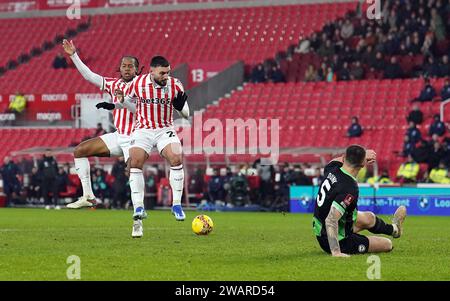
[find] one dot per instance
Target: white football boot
(399, 218)
(83, 201)
(138, 229)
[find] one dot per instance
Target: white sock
(137, 186)
(83, 169)
(395, 229)
(176, 178)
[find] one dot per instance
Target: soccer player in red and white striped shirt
(155, 96)
(111, 144)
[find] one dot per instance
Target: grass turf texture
(35, 244)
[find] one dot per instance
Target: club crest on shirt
(349, 199)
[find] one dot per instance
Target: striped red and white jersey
(123, 119)
(154, 109)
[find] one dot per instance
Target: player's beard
(159, 82)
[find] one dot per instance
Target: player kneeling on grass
(337, 221)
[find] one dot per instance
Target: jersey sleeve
(178, 86)
(108, 85)
(331, 166)
(343, 201)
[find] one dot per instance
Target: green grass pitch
(35, 244)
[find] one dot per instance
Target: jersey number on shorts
(171, 134)
(324, 189)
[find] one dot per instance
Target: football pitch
(35, 245)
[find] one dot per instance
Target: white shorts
(118, 144)
(149, 138)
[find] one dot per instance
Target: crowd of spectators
(428, 147)
(410, 40)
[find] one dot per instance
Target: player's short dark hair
(159, 61)
(355, 155)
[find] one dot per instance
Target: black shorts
(353, 244)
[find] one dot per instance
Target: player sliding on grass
(156, 94)
(337, 221)
(112, 144)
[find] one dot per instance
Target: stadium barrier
(217, 86)
(425, 199)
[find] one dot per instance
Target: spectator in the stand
(266, 174)
(408, 147)
(18, 104)
(408, 171)
(25, 166)
(378, 62)
(439, 174)
(99, 130)
(437, 25)
(444, 67)
(381, 179)
(415, 115)
(355, 129)
(326, 49)
(421, 154)
(330, 75)
(347, 29)
(310, 74)
(60, 62)
(216, 190)
(393, 69)
(413, 133)
(11, 183)
(445, 92)
(436, 155)
(258, 74)
(48, 168)
(437, 127)
(300, 178)
(239, 190)
(415, 46)
(276, 76)
(357, 71)
(318, 177)
(431, 68)
(119, 188)
(99, 185)
(344, 72)
(322, 72)
(34, 186)
(61, 182)
(428, 92)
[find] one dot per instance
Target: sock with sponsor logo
(176, 179)
(381, 227)
(137, 186)
(83, 169)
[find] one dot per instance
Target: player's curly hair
(136, 63)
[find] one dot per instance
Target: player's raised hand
(371, 156)
(120, 95)
(179, 101)
(69, 48)
(105, 105)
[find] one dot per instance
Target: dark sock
(381, 227)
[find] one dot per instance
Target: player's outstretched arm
(88, 75)
(331, 224)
